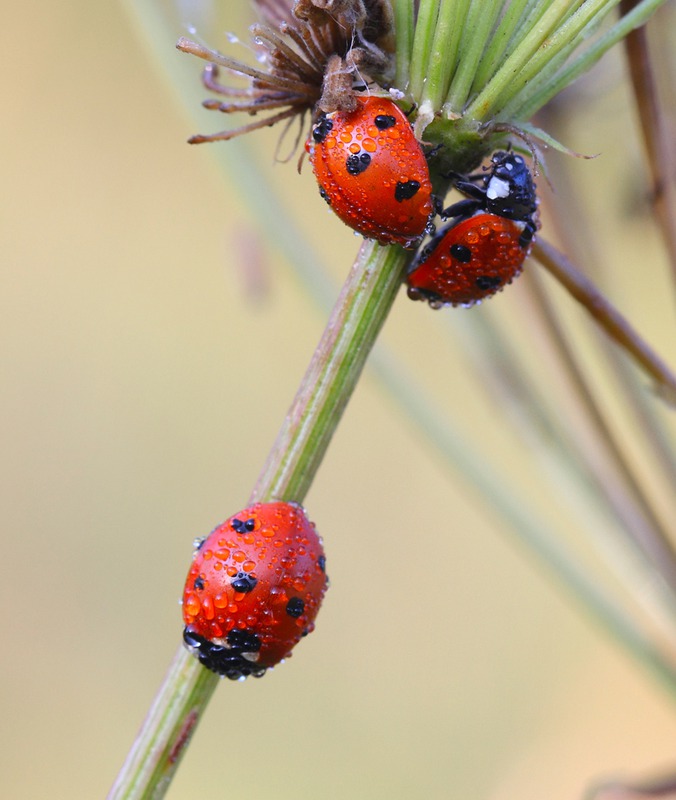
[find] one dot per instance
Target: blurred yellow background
(143, 383)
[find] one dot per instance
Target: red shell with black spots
(469, 261)
(372, 171)
(254, 589)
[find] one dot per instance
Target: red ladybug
(468, 261)
(372, 171)
(485, 246)
(253, 590)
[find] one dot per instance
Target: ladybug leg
(477, 176)
(438, 204)
(463, 208)
(467, 188)
(433, 150)
(528, 234)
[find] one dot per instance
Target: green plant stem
(619, 479)
(159, 745)
(539, 94)
(542, 42)
(475, 33)
(361, 309)
(655, 132)
(614, 324)
(498, 47)
(422, 45)
(498, 496)
(444, 52)
(403, 26)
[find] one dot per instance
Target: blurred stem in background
(636, 603)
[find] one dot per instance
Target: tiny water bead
(254, 589)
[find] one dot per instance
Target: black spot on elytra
(461, 253)
(322, 563)
(199, 583)
(244, 640)
(406, 190)
(242, 582)
(356, 164)
(487, 282)
(324, 195)
(243, 526)
(322, 129)
(385, 121)
(226, 660)
(295, 607)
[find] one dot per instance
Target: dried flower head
(315, 54)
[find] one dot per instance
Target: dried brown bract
(315, 55)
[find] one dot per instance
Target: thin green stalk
(166, 731)
(578, 456)
(551, 67)
(536, 97)
(403, 26)
(357, 317)
(568, 37)
(655, 131)
(513, 110)
(422, 45)
(498, 495)
(609, 318)
(541, 37)
(475, 33)
(534, 14)
(646, 530)
(571, 211)
(359, 313)
(497, 48)
(444, 54)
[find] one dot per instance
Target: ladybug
(485, 246)
(372, 171)
(253, 590)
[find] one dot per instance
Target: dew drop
(208, 608)
(192, 605)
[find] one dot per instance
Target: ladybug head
(510, 191)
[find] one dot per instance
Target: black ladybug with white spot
(506, 189)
